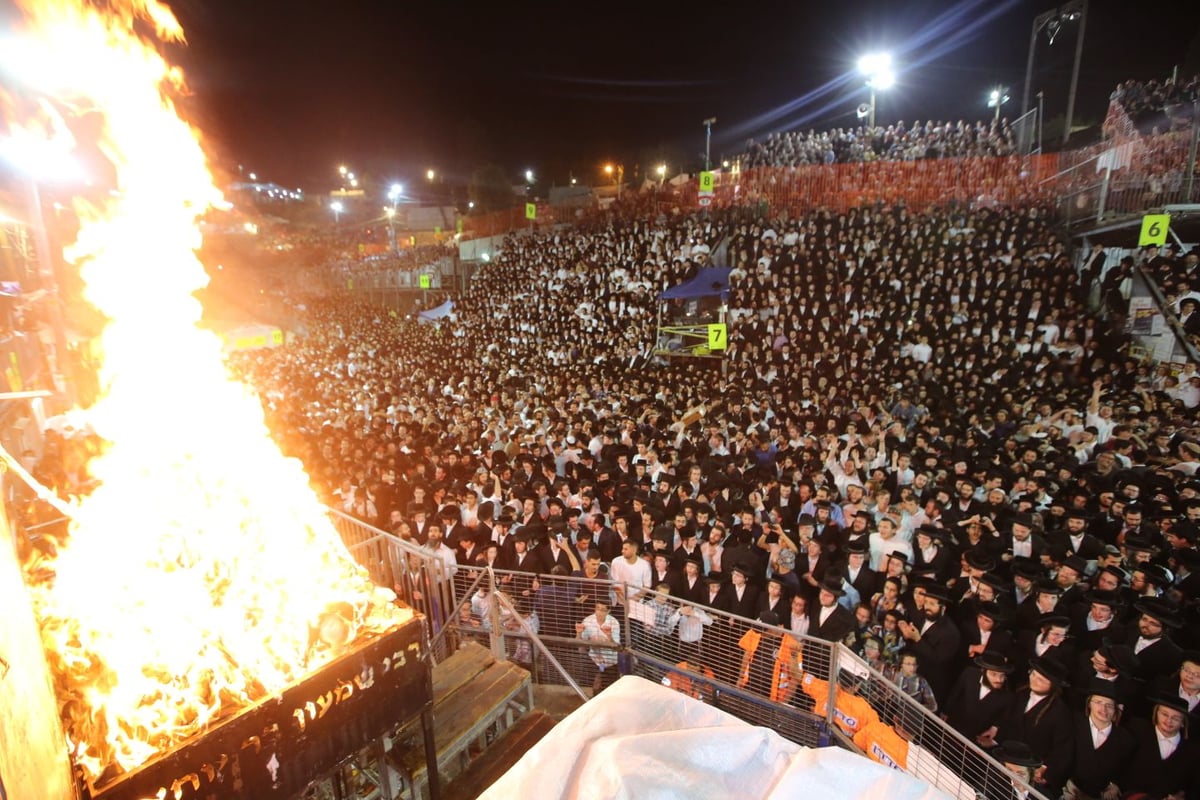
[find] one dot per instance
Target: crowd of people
(1156, 100)
(915, 412)
(919, 443)
(896, 142)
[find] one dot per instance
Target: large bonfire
(202, 573)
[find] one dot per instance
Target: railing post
(831, 703)
(497, 636)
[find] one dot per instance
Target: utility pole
(708, 123)
(1082, 12)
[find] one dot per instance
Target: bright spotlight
(529, 176)
(336, 206)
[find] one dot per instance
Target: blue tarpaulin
(709, 282)
(434, 314)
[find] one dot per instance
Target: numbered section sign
(531, 211)
(717, 336)
(707, 181)
(1154, 229)
(424, 281)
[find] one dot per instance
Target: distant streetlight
(877, 68)
(661, 169)
(337, 208)
(470, 204)
(253, 176)
(617, 173)
(996, 98)
(394, 193)
(529, 176)
(350, 177)
(430, 175)
(574, 181)
(342, 170)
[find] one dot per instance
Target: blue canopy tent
(435, 314)
(708, 282)
(686, 332)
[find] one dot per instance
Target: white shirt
(1143, 643)
(1034, 699)
(800, 625)
(1099, 735)
(1166, 746)
(636, 575)
(826, 611)
(1023, 548)
(1191, 699)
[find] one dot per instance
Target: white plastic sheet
(643, 741)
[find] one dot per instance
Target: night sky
(292, 89)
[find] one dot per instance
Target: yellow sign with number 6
(1154, 229)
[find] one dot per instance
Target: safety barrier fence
(809, 690)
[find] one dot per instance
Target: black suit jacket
(839, 625)
(937, 650)
(1049, 731)
(1161, 658)
(970, 715)
(1091, 769)
(1148, 772)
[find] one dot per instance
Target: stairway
(499, 756)
(478, 702)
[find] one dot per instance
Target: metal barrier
(420, 579)
(810, 691)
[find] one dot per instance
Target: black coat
(1161, 658)
(1049, 731)
(937, 650)
(839, 625)
(1091, 769)
(1148, 772)
(970, 715)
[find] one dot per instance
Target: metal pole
(1075, 71)
(871, 121)
(1037, 24)
(1041, 117)
(1191, 170)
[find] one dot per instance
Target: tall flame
(199, 572)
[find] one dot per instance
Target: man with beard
(980, 700)
(1039, 717)
(936, 641)
(1157, 654)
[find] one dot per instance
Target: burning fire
(202, 573)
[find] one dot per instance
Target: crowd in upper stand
(896, 142)
(1148, 98)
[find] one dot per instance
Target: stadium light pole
(877, 67)
(1052, 21)
(708, 123)
(337, 208)
(394, 195)
(996, 98)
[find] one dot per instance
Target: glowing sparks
(202, 573)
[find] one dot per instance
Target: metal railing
(810, 691)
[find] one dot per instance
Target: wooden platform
(475, 699)
(499, 756)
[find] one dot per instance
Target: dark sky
(292, 89)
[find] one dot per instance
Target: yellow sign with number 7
(717, 336)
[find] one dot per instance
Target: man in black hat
(829, 619)
(1050, 641)
(1103, 749)
(1184, 684)
(738, 597)
(1115, 665)
(1040, 718)
(858, 574)
(1020, 541)
(936, 641)
(1074, 539)
(1042, 601)
(1165, 762)
(1157, 653)
(986, 631)
(981, 700)
(1095, 619)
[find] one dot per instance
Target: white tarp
(639, 740)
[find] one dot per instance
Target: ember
(202, 574)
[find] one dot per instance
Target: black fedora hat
(994, 661)
(1049, 669)
(1016, 753)
(832, 585)
(1160, 611)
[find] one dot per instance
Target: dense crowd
(1155, 99)
(897, 142)
(919, 444)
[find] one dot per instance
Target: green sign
(1154, 229)
(717, 336)
(424, 281)
(531, 211)
(707, 181)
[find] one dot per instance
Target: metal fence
(808, 690)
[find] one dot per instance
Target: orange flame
(200, 574)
